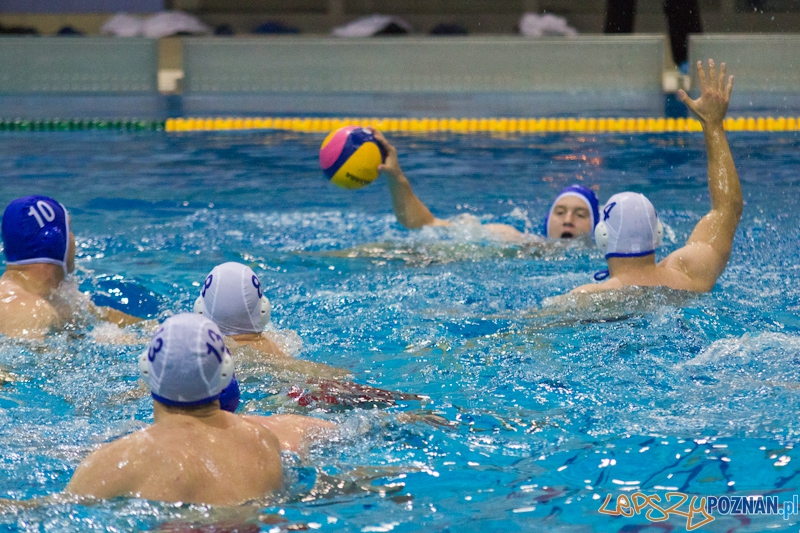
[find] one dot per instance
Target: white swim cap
(232, 299)
(186, 362)
(629, 226)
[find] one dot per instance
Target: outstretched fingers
(701, 75)
(712, 73)
(715, 91)
(729, 88)
(688, 102)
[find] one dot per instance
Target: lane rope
(425, 125)
(473, 125)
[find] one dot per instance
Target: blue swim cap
(36, 230)
(584, 193)
(229, 397)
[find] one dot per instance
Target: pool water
(531, 410)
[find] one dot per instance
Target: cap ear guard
(225, 370)
(659, 234)
(601, 236)
(266, 309)
(144, 368)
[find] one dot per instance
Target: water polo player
(194, 452)
(630, 231)
(40, 253)
(232, 298)
(573, 213)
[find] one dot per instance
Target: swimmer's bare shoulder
(610, 284)
(295, 432)
(260, 342)
(24, 314)
(223, 459)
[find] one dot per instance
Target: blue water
(544, 408)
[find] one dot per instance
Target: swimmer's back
(220, 459)
(23, 314)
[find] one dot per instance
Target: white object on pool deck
(123, 25)
(533, 25)
(169, 23)
(156, 26)
(371, 25)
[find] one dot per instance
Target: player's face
(570, 218)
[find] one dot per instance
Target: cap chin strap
(225, 375)
(659, 233)
(265, 311)
(69, 241)
(601, 235)
(36, 260)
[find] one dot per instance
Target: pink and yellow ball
(350, 156)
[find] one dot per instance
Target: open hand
(715, 94)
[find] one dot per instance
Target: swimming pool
(551, 407)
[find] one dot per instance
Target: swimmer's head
(186, 362)
(36, 230)
(231, 297)
(574, 212)
(629, 226)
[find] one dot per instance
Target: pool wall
(424, 77)
(51, 77)
(765, 68)
(583, 76)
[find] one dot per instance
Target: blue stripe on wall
(81, 6)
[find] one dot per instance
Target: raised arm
(115, 316)
(706, 253)
(409, 210)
